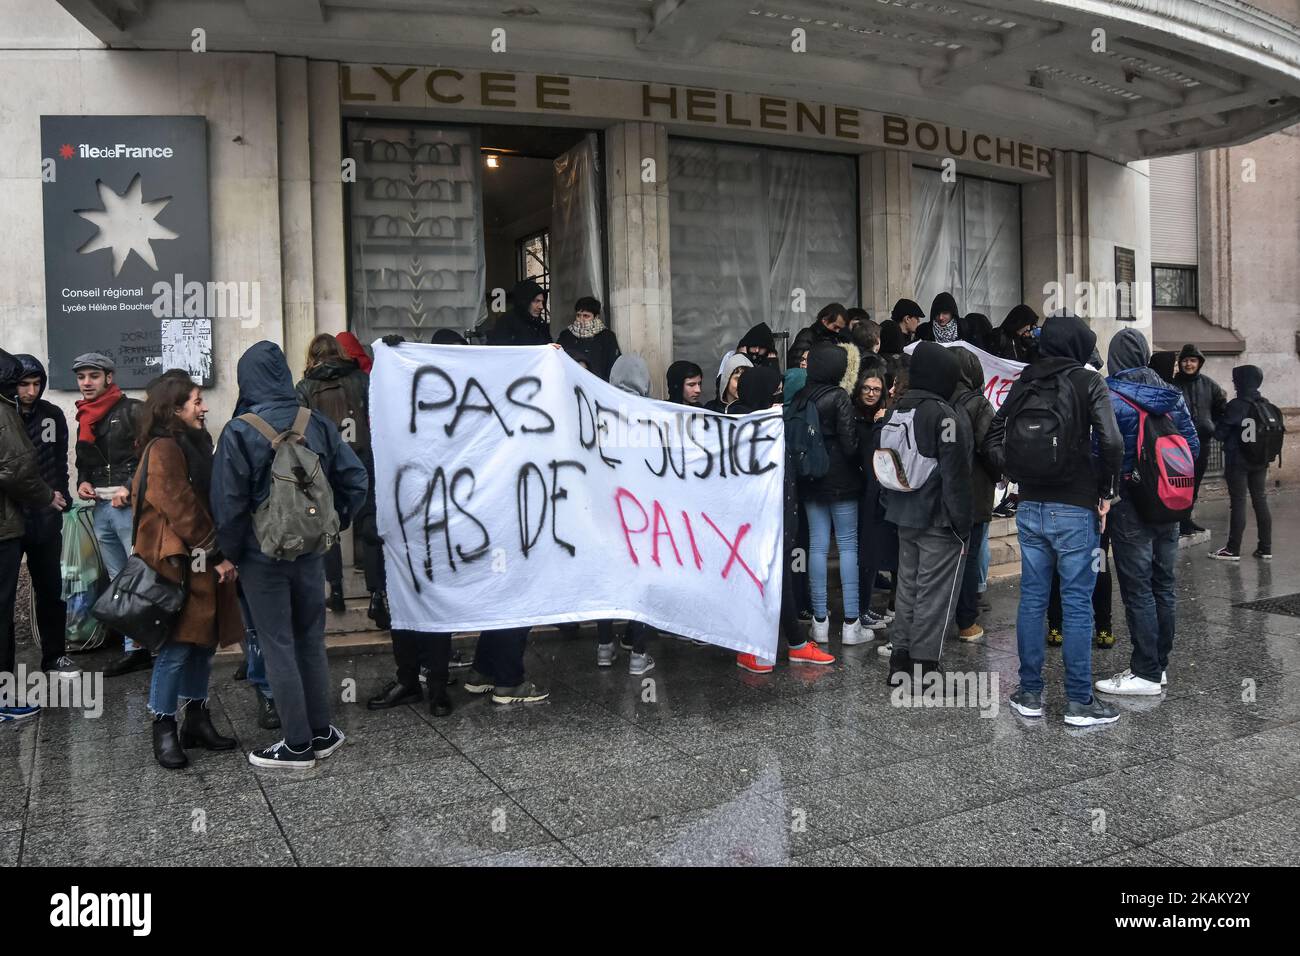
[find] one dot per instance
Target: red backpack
(1163, 482)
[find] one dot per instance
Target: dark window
(1174, 287)
(535, 261)
(1125, 274)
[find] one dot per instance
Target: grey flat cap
(94, 360)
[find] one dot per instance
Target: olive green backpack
(298, 516)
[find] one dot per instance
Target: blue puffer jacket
(241, 471)
(1127, 360)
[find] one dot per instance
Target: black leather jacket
(111, 459)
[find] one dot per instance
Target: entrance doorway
(445, 220)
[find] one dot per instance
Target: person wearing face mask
(588, 340)
(760, 390)
(946, 323)
(728, 383)
(175, 535)
(685, 383)
(758, 345)
(827, 329)
(526, 322)
(1014, 338)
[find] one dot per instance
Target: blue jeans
(844, 516)
(179, 670)
(1145, 556)
(253, 651)
(984, 561)
(968, 610)
(1057, 539)
(113, 532)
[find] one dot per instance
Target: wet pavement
(702, 763)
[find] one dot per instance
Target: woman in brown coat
(176, 537)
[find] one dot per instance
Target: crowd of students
(893, 453)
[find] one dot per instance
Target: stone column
(640, 290)
(885, 229)
(329, 248)
(296, 263)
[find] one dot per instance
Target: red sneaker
(810, 653)
(748, 662)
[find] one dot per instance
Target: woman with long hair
(176, 537)
(875, 540)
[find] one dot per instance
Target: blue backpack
(803, 433)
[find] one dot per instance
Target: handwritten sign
(515, 488)
(999, 373)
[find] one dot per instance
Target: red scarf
(91, 410)
(353, 349)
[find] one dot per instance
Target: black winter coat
(111, 459)
(826, 367)
(1206, 400)
(599, 352)
(41, 420)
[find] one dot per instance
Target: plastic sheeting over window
(966, 240)
(756, 232)
(418, 261)
(575, 254)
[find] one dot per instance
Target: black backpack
(803, 433)
(1042, 431)
(1269, 431)
(340, 403)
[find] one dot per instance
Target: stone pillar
(329, 247)
(640, 290)
(885, 229)
(296, 265)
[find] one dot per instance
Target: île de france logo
(125, 222)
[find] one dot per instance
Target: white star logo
(126, 224)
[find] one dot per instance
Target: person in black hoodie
(685, 383)
(933, 519)
(1206, 401)
(977, 330)
(758, 345)
(946, 323)
(1014, 338)
(899, 330)
(827, 329)
(1059, 518)
(1241, 475)
(985, 474)
(525, 323)
(1164, 364)
(43, 527)
(832, 499)
(588, 340)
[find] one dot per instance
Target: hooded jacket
(758, 389)
(1246, 381)
(943, 302)
(356, 387)
(892, 337)
(733, 361)
(1066, 343)
(677, 375)
(1006, 341)
(827, 365)
(1205, 399)
(978, 330)
(42, 418)
(760, 337)
(969, 396)
(241, 471)
(815, 335)
(631, 374)
(1131, 378)
(20, 476)
(518, 327)
(942, 433)
(1164, 364)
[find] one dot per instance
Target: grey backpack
(298, 515)
(898, 462)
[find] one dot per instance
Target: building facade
(699, 167)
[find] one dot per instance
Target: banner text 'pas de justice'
(513, 488)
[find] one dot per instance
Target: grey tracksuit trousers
(930, 566)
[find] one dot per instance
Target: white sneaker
(885, 649)
(1128, 684)
(821, 630)
(1164, 678)
(853, 634)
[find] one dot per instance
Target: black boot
(439, 701)
(900, 662)
(335, 602)
(166, 748)
(395, 694)
(378, 611)
(241, 672)
(140, 660)
(197, 729)
(268, 718)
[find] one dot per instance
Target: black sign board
(127, 245)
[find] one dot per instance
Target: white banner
(999, 373)
(515, 488)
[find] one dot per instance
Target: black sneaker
(1090, 714)
(332, 741)
(268, 718)
(335, 602)
(1223, 554)
(476, 683)
(525, 693)
(140, 660)
(278, 756)
(1263, 555)
(394, 694)
(1027, 704)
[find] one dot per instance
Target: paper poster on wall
(513, 487)
(127, 245)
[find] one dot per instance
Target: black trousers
(1101, 593)
(500, 655)
(43, 544)
(11, 556)
(1253, 481)
(411, 649)
(637, 633)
